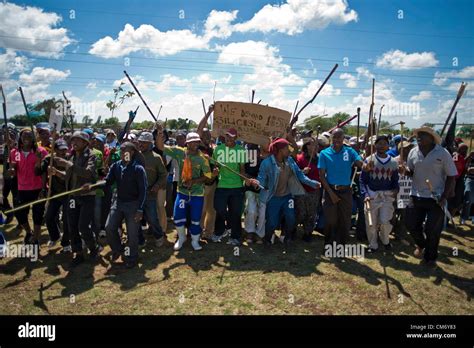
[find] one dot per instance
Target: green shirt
(200, 166)
(156, 172)
(99, 164)
(232, 157)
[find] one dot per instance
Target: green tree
(87, 121)
(147, 124)
(112, 105)
(112, 122)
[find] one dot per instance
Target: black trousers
(10, 185)
(38, 209)
(428, 237)
(81, 214)
(228, 203)
(337, 217)
(53, 223)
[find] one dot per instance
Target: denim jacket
(270, 172)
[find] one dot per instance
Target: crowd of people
(127, 186)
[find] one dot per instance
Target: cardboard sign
(403, 196)
(55, 117)
(254, 123)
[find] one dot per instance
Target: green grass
(279, 280)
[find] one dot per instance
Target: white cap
(192, 137)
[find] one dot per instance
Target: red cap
(232, 132)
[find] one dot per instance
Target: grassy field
(295, 279)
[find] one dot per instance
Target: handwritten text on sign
(403, 197)
(254, 123)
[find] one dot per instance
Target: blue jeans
(278, 207)
(185, 204)
(118, 212)
(468, 198)
(151, 216)
(228, 203)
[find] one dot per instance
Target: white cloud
(43, 75)
(256, 53)
(350, 80)
(441, 77)
(218, 24)
(295, 16)
(399, 60)
(31, 29)
(308, 92)
(423, 95)
(91, 85)
(269, 72)
(208, 79)
(11, 63)
(148, 39)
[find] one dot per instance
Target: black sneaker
(370, 250)
(77, 260)
(388, 246)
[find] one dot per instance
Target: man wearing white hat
(195, 171)
(433, 172)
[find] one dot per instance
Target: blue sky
(282, 49)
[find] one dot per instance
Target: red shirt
(460, 163)
(313, 174)
(25, 169)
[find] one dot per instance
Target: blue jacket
(270, 172)
(131, 182)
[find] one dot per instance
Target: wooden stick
(458, 97)
(369, 215)
(380, 118)
(316, 143)
(372, 118)
(159, 112)
(143, 100)
(6, 134)
(62, 194)
(232, 171)
(50, 179)
(317, 92)
(27, 114)
(358, 127)
(204, 106)
(401, 142)
(253, 95)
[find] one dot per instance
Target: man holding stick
(379, 186)
(80, 170)
(58, 185)
(282, 178)
(428, 161)
(208, 218)
(130, 177)
(335, 167)
(194, 172)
